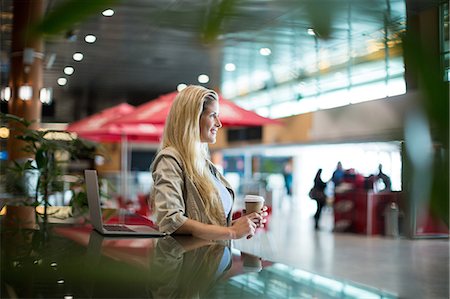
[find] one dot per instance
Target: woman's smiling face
(210, 123)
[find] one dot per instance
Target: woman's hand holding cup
(255, 204)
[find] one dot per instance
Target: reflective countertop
(74, 261)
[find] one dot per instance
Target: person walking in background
(384, 178)
(287, 174)
(190, 196)
(318, 194)
(338, 175)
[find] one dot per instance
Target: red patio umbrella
(156, 111)
(131, 132)
(97, 128)
(96, 121)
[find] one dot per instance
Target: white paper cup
(253, 203)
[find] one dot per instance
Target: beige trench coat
(175, 196)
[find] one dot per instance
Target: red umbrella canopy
(96, 121)
(132, 132)
(97, 128)
(156, 111)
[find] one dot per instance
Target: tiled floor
(407, 268)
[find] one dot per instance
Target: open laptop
(95, 211)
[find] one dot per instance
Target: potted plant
(49, 154)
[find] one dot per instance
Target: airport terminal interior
(352, 94)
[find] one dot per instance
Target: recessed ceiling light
(311, 31)
(90, 38)
(78, 56)
(68, 70)
(203, 78)
(108, 12)
(265, 51)
(181, 86)
(230, 67)
(62, 81)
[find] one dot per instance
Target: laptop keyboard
(117, 228)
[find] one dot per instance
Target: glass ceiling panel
(362, 34)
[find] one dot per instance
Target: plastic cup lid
(253, 198)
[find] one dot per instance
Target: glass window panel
(282, 94)
(308, 88)
(307, 105)
(396, 86)
(368, 72)
(372, 91)
(334, 99)
(283, 109)
(396, 66)
(263, 111)
(334, 81)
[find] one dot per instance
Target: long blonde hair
(182, 132)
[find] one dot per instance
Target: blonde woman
(189, 194)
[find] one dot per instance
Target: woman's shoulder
(169, 151)
(167, 154)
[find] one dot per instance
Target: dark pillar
(26, 68)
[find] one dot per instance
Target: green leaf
(41, 159)
(28, 165)
(69, 13)
(4, 117)
(214, 21)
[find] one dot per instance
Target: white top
(225, 196)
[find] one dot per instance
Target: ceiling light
(203, 78)
(181, 86)
(45, 95)
(78, 56)
(90, 38)
(108, 13)
(6, 94)
(230, 67)
(62, 81)
(311, 31)
(68, 70)
(25, 92)
(265, 51)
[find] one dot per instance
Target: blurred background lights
(78, 56)
(203, 78)
(108, 12)
(4, 132)
(230, 67)
(25, 92)
(90, 38)
(45, 95)
(62, 81)
(265, 51)
(68, 70)
(181, 86)
(6, 93)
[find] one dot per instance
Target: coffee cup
(253, 203)
(251, 263)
